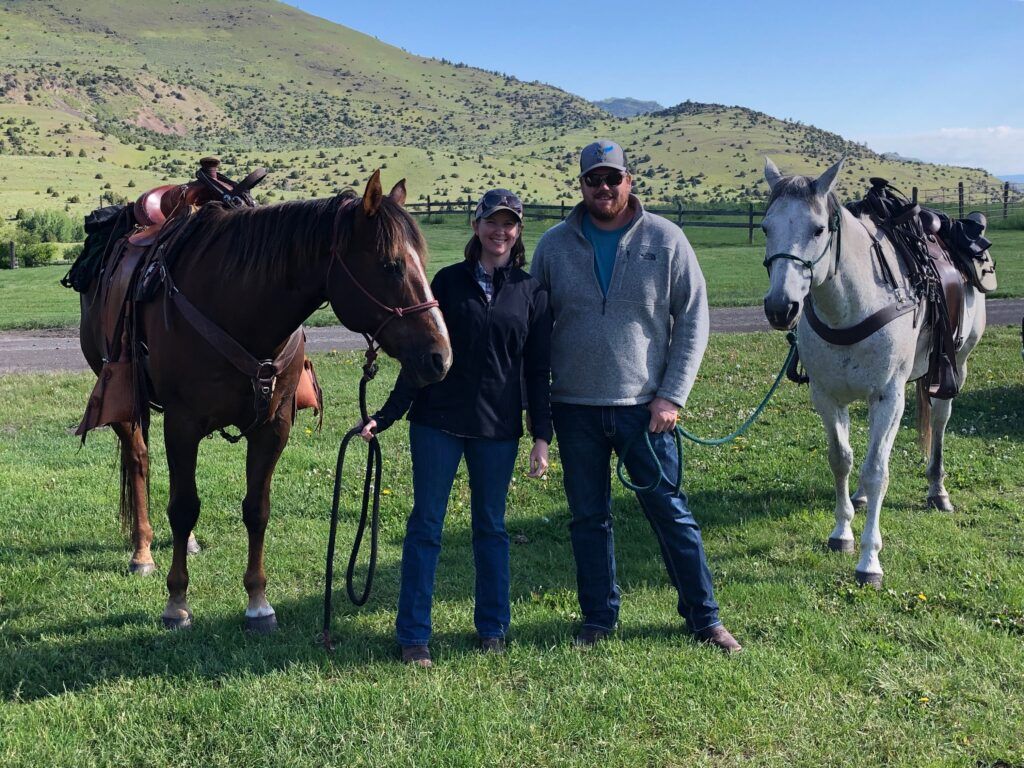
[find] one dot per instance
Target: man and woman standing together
(607, 332)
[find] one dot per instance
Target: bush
(52, 226)
(38, 254)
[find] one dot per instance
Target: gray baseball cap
(603, 153)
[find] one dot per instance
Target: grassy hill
(111, 98)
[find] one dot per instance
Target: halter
(835, 233)
(372, 345)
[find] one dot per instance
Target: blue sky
(941, 80)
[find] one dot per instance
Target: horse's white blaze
(845, 290)
(434, 313)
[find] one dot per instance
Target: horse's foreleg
(836, 419)
(135, 496)
(884, 413)
(182, 443)
(265, 446)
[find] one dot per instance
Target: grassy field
(33, 298)
(928, 670)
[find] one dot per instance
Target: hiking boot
(492, 645)
(417, 655)
(720, 638)
(590, 636)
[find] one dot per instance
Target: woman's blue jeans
(587, 435)
(435, 460)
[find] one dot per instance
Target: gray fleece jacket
(645, 338)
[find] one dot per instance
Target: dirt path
(55, 350)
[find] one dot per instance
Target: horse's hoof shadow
(844, 546)
(175, 623)
(941, 503)
(261, 625)
(141, 569)
(873, 580)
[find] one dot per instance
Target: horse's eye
(819, 231)
(393, 267)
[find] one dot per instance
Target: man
(630, 329)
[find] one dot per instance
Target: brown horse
(258, 273)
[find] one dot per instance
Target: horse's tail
(134, 465)
(924, 417)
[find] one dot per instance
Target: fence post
(913, 195)
(562, 211)
(679, 212)
(960, 198)
(750, 223)
(14, 257)
(469, 210)
(428, 209)
(1006, 198)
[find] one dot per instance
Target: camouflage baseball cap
(603, 153)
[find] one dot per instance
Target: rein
(371, 479)
(679, 432)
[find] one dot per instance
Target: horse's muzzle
(782, 316)
(431, 366)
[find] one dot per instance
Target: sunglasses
(612, 179)
(496, 199)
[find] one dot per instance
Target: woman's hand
(366, 431)
(538, 458)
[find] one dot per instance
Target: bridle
(372, 344)
(835, 233)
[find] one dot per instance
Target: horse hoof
(868, 579)
(193, 547)
(841, 545)
(175, 623)
(141, 569)
(941, 503)
(261, 625)
(859, 503)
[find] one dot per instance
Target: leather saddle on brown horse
(133, 266)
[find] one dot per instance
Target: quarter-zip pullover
(496, 346)
(646, 336)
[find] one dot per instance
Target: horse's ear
(824, 183)
(373, 194)
(772, 174)
(398, 192)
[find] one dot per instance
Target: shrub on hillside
(38, 254)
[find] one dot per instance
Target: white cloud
(999, 149)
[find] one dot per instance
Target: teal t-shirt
(606, 245)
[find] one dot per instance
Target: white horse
(815, 246)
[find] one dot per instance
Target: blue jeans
(435, 460)
(586, 437)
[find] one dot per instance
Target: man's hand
(538, 458)
(663, 415)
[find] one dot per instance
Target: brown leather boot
(417, 655)
(719, 637)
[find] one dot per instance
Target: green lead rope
(679, 432)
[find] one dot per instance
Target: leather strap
(844, 337)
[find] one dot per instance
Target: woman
(500, 327)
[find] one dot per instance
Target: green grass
(33, 298)
(927, 671)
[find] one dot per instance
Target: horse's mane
(275, 241)
(802, 188)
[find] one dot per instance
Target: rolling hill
(108, 98)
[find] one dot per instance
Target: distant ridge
(627, 107)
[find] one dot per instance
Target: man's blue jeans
(587, 435)
(435, 460)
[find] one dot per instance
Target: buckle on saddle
(265, 380)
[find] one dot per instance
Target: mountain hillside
(627, 107)
(105, 99)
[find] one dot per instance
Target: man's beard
(608, 214)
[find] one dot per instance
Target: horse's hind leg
(182, 443)
(884, 412)
(264, 449)
(135, 496)
(938, 498)
(836, 419)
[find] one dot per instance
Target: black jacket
(496, 347)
